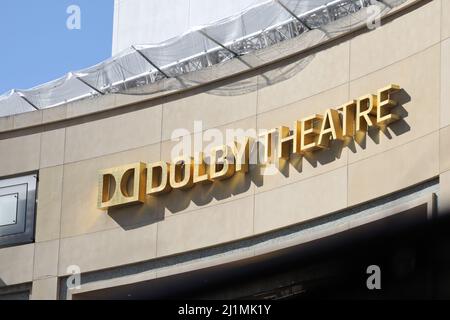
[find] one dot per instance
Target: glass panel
(243, 33)
(318, 13)
(8, 209)
(57, 92)
(300, 7)
(190, 52)
(12, 103)
(128, 69)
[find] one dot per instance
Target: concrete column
(45, 289)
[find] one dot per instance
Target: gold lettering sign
(122, 185)
(132, 183)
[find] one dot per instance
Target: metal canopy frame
(291, 28)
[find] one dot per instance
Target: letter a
(74, 20)
(374, 281)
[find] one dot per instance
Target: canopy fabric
(192, 58)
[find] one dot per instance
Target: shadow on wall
(265, 79)
(157, 208)
(398, 128)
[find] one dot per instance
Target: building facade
(205, 239)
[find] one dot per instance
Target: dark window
(17, 210)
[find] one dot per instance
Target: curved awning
(141, 67)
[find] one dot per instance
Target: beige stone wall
(411, 49)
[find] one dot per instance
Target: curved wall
(411, 49)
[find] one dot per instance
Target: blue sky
(36, 46)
